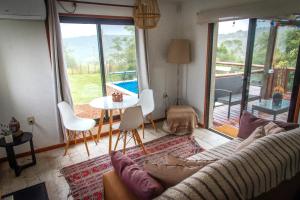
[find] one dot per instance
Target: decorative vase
(8, 138)
(277, 99)
(14, 125)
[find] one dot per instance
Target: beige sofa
(267, 169)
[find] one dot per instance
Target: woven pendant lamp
(146, 14)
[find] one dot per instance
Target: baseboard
(56, 146)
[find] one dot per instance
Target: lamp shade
(179, 51)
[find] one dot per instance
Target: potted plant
(7, 134)
(278, 95)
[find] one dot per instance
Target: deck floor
(220, 115)
(220, 112)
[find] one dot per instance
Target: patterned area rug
(85, 178)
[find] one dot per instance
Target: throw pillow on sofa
(249, 122)
(175, 160)
(135, 178)
(170, 175)
(269, 129)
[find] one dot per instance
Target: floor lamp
(179, 52)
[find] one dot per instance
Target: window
(100, 56)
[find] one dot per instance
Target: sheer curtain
(62, 88)
(142, 62)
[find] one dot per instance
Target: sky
(230, 27)
(69, 30)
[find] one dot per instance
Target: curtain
(62, 88)
(142, 62)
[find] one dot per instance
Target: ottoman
(181, 119)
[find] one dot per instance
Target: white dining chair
(146, 100)
(131, 120)
(75, 125)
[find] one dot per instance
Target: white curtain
(142, 62)
(63, 92)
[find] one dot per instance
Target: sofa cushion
(249, 122)
(270, 128)
(170, 175)
(175, 160)
(135, 178)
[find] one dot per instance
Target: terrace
(231, 71)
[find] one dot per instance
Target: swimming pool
(131, 86)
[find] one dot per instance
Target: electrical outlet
(30, 120)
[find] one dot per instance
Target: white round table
(106, 103)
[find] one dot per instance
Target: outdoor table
(106, 104)
(267, 106)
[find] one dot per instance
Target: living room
(113, 64)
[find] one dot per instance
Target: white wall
(197, 34)
(163, 76)
(26, 81)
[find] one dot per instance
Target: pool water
(131, 86)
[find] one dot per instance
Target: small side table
(11, 156)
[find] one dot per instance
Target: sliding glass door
(254, 70)
(229, 74)
(273, 70)
(100, 56)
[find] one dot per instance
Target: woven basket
(146, 14)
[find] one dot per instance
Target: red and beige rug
(85, 178)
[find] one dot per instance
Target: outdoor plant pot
(8, 138)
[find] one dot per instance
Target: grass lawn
(85, 87)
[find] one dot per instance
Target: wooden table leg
(110, 129)
(100, 124)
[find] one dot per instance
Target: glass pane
(279, 74)
(229, 73)
(119, 50)
(259, 68)
(80, 47)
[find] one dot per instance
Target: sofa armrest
(114, 188)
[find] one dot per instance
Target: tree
(230, 51)
(123, 57)
(70, 60)
(287, 57)
(260, 48)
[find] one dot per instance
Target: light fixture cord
(66, 10)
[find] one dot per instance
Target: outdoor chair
(229, 92)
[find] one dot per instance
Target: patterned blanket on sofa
(254, 170)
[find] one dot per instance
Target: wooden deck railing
(259, 69)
